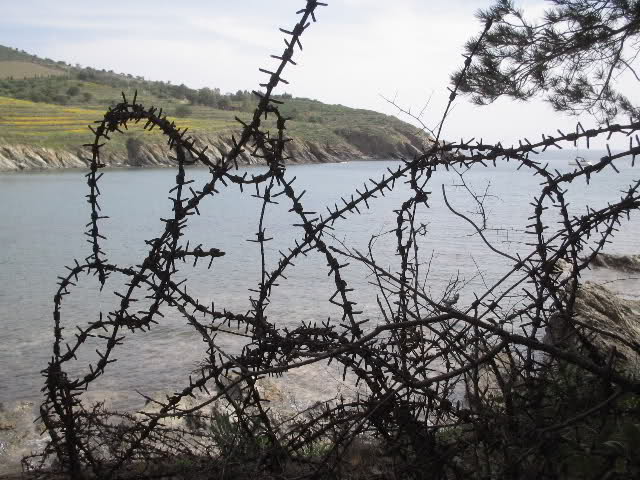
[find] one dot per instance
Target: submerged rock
(626, 263)
(19, 435)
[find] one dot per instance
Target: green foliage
(224, 103)
(234, 441)
(58, 99)
(318, 449)
(182, 111)
(572, 56)
(541, 423)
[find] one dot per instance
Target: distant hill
(48, 104)
(8, 53)
(12, 69)
(17, 64)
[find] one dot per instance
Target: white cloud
(248, 32)
(163, 59)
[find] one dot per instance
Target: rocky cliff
(353, 145)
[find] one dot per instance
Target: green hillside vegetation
(54, 110)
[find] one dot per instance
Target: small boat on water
(580, 162)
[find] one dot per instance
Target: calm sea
(43, 216)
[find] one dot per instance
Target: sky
(359, 52)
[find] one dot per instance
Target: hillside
(45, 107)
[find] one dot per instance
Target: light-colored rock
(6, 425)
(350, 145)
(19, 435)
(607, 321)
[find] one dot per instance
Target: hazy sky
(358, 51)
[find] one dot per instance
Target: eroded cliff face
(25, 157)
(355, 146)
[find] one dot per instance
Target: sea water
(43, 216)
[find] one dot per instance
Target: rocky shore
(19, 435)
(353, 145)
(597, 309)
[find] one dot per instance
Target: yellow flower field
(57, 126)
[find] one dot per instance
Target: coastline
(21, 434)
(138, 154)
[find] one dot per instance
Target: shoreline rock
(19, 435)
(626, 263)
(138, 153)
(605, 325)
(609, 323)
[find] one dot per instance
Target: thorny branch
(415, 360)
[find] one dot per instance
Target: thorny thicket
(536, 418)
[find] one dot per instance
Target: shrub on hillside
(59, 99)
(183, 111)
